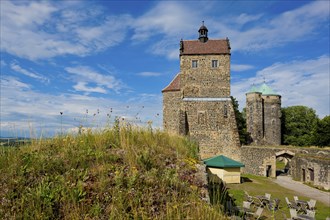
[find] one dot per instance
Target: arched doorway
(283, 162)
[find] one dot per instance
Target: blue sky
(94, 60)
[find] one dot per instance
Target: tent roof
(264, 89)
(222, 162)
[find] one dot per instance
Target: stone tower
(263, 115)
(197, 102)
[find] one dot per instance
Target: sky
(93, 61)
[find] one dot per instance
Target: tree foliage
(322, 132)
(241, 122)
(299, 124)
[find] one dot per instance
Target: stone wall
(205, 81)
(171, 111)
(258, 160)
(213, 125)
(254, 119)
(272, 120)
(263, 118)
(312, 169)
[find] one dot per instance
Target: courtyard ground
(304, 190)
(257, 185)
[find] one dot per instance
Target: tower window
(214, 63)
(225, 111)
(194, 64)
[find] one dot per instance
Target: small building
(225, 168)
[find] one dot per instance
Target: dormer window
(214, 63)
(194, 64)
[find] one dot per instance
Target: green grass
(257, 185)
(280, 165)
(131, 173)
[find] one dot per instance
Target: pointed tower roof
(253, 89)
(266, 90)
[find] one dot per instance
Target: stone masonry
(263, 116)
(197, 102)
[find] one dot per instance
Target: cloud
(86, 75)
(245, 18)
(290, 26)
(147, 74)
(166, 18)
(25, 112)
(81, 86)
(300, 82)
(240, 67)
(168, 21)
(42, 30)
(28, 73)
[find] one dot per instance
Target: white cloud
(168, 18)
(245, 18)
(147, 74)
(81, 86)
(85, 75)
(28, 73)
(11, 82)
(25, 111)
(169, 21)
(240, 67)
(41, 30)
(295, 25)
(300, 82)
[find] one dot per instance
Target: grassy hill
(114, 174)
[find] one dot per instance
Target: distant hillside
(127, 174)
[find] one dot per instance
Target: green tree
(241, 122)
(298, 125)
(322, 132)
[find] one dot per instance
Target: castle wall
(312, 169)
(171, 111)
(213, 125)
(205, 81)
(315, 162)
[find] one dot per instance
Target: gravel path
(304, 190)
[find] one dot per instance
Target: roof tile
(174, 85)
(192, 47)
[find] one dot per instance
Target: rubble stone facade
(304, 164)
(263, 116)
(197, 102)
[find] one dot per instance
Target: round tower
(272, 115)
(254, 115)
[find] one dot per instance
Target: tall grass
(118, 173)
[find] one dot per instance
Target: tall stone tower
(263, 115)
(197, 102)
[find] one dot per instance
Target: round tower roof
(266, 90)
(253, 89)
(263, 89)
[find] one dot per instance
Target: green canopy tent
(227, 169)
